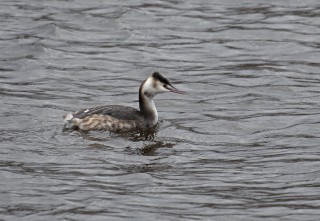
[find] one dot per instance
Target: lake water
(242, 145)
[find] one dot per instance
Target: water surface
(243, 145)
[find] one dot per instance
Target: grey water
(242, 145)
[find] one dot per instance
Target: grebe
(123, 118)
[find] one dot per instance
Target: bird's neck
(147, 108)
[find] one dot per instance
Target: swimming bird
(123, 118)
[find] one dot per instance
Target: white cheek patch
(148, 85)
(148, 88)
(152, 87)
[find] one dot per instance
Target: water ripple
(243, 144)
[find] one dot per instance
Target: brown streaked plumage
(123, 118)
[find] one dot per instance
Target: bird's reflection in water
(151, 142)
(151, 148)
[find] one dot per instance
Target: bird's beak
(174, 90)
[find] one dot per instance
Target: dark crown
(159, 77)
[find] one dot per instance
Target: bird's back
(116, 111)
(113, 118)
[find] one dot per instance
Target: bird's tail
(68, 121)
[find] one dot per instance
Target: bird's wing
(116, 111)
